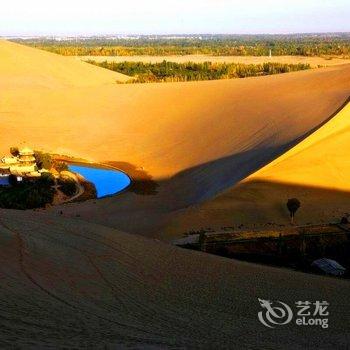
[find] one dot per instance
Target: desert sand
(195, 139)
(46, 70)
(68, 283)
(313, 61)
(76, 279)
(316, 171)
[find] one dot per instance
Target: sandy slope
(66, 283)
(22, 66)
(322, 160)
(165, 128)
(316, 171)
(313, 61)
(195, 139)
(201, 146)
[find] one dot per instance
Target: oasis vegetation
(32, 179)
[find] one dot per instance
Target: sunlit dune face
(194, 140)
(320, 161)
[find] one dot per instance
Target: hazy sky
(29, 17)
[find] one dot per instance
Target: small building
(22, 166)
(26, 158)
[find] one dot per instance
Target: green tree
(43, 160)
(47, 179)
(67, 186)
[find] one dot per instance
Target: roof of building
(26, 158)
(23, 168)
(26, 151)
(9, 160)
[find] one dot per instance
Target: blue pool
(106, 181)
(4, 180)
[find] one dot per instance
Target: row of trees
(236, 45)
(171, 72)
(241, 50)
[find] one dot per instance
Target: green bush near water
(67, 186)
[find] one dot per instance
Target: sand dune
(214, 139)
(195, 139)
(316, 171)
(22, 66)
(80, 282)
(165, 128)
(66, 283)
(322, 160)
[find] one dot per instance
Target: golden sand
(69, 278)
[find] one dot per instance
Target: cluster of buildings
(23, 165)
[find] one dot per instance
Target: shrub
(61, 166)
(43, 160)
(47, 179)
(67, 186)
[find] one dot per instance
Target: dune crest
(321, 161)
(22, 66)
(316, 171)
(195, 140)
(72, 278)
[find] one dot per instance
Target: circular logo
(274, 313)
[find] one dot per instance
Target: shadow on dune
(202, 182)
(67, 283)
(218, 175)
(202, 198)
(195, 186)
(261, 205)
(142, 182)
(317, 204)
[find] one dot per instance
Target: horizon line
(18, 35)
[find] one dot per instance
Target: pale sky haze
(78, 17)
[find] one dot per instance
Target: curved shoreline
(95, 166)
